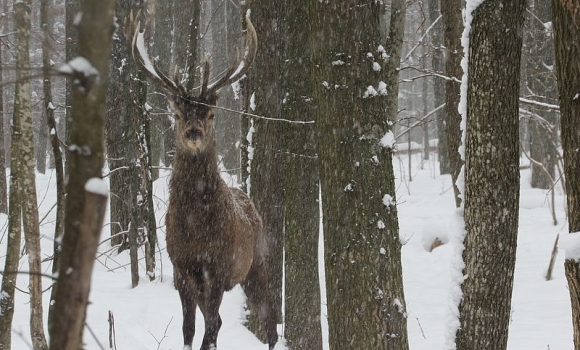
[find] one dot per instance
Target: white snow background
(149, 316)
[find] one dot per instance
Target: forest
(354, 174)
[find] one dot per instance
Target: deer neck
(196, 174)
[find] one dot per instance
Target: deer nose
(194, 134)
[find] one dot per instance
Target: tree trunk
(540, 85)
(451, 12)
(45, 5)
(117, 132)
(22, 22)
(491, 174)
(13, 245)
(302, 329)
(356, 102)
(567, 49)
(268, 162)
(161, 129)
(186, 27)
(84, 210)
(72, 8)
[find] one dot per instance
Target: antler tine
(205, 77)
(238, 69)
(141, 56)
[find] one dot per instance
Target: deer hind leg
(258, 294)
(213, 292)
(189, 295)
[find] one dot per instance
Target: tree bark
(302, 329)
(566, 24)
(22, 22)
(365, 297)
(84, 210)
(491, 174)
(451, 12)
(267, 165)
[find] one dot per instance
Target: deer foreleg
(188, 294)
(210, 307)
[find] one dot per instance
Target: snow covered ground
(149, 316)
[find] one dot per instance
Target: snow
(570, 243)
(79, 65)
(149, 317)
(97, 186)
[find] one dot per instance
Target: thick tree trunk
(366, 304)
(302, 328)
(84, 210)
(451, 12)
(491, 174)
(567, 48)
(268, 162)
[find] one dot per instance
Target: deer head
(194, 113)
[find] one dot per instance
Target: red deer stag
(214, 233)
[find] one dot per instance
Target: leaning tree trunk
(567, 48)
(302, 329)
(451, 12)
(356, 102)
(491, 174)
(84, 208)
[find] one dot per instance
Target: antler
(141, 56)
(238, 69)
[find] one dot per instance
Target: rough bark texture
(302, 329)
(567, 47)
(366, 304)
(491, 174)
(267, 165)
(118, 105)
(451, 12)
(84, 211)
(72, 8)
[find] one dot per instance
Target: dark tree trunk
(302, 329)
(491, 174)
(567, 49)
(365, 297)
(84, 210)
(453, 23)
(267, 164)
(117, 132)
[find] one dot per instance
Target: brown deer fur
(214, 233)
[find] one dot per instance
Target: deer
(214, 233)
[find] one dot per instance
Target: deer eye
(211, 116)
